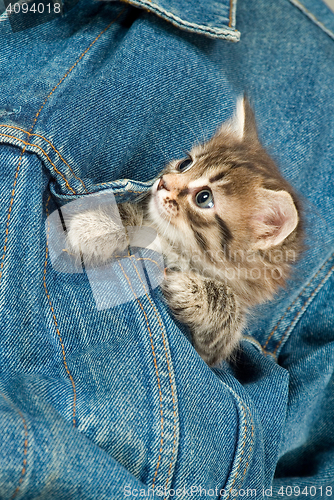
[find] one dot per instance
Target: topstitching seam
(34, 122)
(250, 449)
(74, 65)
(35, 145)
(55, 319)
(243, 447)
(52, 146)
(288, 309)
(205, 29)
(157, 375)
(12, 199)
(138, 258)
(169, 373)
(312, 17)
(305, 305)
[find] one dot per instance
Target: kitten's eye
(184, 165)
(204, 199)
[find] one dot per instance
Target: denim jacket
(115, 403)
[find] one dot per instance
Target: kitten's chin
(157, 215)
(161, 221)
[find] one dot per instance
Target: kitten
(229, 226)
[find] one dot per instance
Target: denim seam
(230, 14)
(138, 258)
(257, 344)
(249, 454)
(304, 307)
(31, 128)
(128, 191)
(246, 427)
(74, 65)
(242, 452)
(25, 448)
(169, 371)
(288, 309)
(55, 319)
(9, 214)
(156, 368)
(98, 190)
(35, 145)
(50, 143)
(250, 448)
(61, 158)
(156, 372)
(215, 32)
(240, 458)
(311, 16)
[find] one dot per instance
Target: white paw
(95, 235)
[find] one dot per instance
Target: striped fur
(224, 258)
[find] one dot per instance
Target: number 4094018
(37, 8)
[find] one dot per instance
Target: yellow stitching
(34, 122)
(242, 452)
(250, 450)
(247, 463)
(55, 319)
(52, 146)
(77, 61)
(288, 309)
(9, 212)
(252, 340)
(129, 255)
(35, 145)
(115, 194)
(157, 375)
(147, 258)
(126, 192)
(169, 373)
(25, 449)
(230, 17)
(302, 309)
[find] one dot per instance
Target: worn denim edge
(221, 33)
(301, 304)
(313, 18)
(241, 460)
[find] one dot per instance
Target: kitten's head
(227, 207)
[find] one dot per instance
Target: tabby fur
(221, 259)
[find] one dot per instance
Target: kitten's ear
(275, 219)
(241, 126)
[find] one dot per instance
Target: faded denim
(114, 403)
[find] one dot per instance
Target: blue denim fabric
(116, 403)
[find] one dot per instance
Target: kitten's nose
(162, 184)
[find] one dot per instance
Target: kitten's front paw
(184, 294)
(211, 311)
(96, 236)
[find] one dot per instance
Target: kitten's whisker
(197, 141)
(165, 157)
(203, 136)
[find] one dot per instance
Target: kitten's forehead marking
(202, 181)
